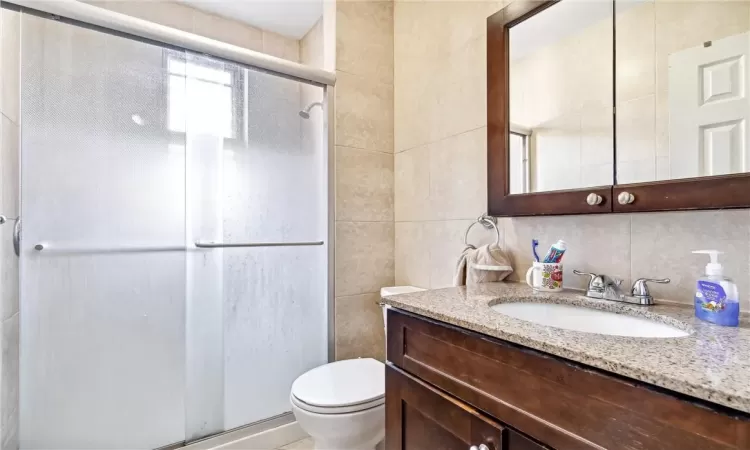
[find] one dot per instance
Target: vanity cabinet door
(419, 417)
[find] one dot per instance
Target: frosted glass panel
(210, 121)
(132, 337)
(268, 186)
(274, 327)
(275, 185)
(103, 326)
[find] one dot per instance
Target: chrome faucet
(607, 288)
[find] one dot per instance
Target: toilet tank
(393, 290)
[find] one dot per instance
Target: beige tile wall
(440, 135)
(440, 183)
(9, 206)
(311, 46)
(209, 25)
(364, 173)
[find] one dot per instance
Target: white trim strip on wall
(82, 12)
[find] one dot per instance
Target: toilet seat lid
(341, 383)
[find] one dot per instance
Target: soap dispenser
(716, 296)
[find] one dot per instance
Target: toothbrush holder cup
(546, 277)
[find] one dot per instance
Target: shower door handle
(16, 232)
(17, 237)
(201, 244)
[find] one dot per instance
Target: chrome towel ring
(487, 222)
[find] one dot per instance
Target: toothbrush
(534, 245)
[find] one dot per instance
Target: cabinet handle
(481, 447)
(625, 198)
(594, 199)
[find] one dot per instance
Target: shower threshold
(286, 435)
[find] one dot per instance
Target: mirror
(561, 98)
(617, 106)
(681, 89)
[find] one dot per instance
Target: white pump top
(713, 269)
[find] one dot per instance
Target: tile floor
(304, 444)
(307, 444)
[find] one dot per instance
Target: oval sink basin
(588, 320)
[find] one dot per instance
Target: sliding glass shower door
(153, 309)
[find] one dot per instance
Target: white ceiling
(292, 18)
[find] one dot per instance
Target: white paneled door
(709, 108)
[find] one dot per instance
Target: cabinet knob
(625, 198)
(593, 199)
(481, 447)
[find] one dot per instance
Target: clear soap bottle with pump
(716, 296)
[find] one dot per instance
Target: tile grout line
(11, 316)
(430, 206)
(358, 295)
(439, 140)
(747, 267)
(439, 220)
(9, 119)
(630, 247)
(364, 221)
(368, 77)
(364, 149)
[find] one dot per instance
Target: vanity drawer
(419, 417)
(559, 403)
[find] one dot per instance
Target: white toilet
(341, 405)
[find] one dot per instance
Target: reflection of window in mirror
(519, 160)
(682, 86)
(561, 94)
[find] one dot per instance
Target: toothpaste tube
(555, 253)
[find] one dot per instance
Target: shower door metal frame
(102, 18)
(82, 14)
(329, 136)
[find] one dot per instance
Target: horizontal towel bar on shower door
(47, 247)
(200, 244)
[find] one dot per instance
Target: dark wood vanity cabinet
(450, 388)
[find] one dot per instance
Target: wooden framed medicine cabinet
(529, 129)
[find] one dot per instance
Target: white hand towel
(487, 264)
(459, 277)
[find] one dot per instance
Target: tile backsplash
(625, 246)
(644, 245)
(663, 242)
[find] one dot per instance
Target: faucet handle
(592, 275)
(578, 272)
(596, 282)
(640, 288)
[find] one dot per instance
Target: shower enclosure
(175, 250)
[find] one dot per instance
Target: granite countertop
(712, 363)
